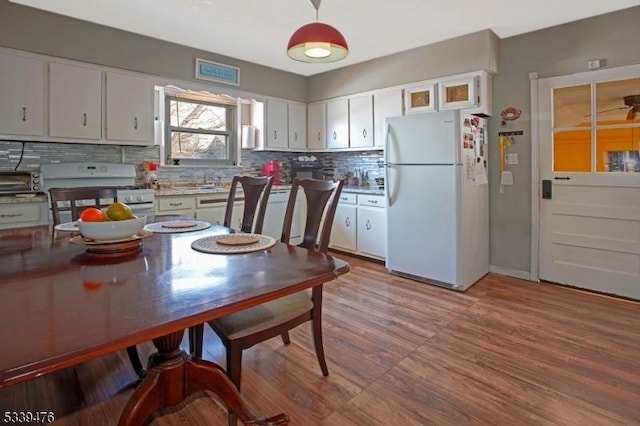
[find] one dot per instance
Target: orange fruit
(92, 214)
(119, 211)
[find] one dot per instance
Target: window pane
(572, 151)
(618, 102)
(199, 146)
(198, 116)
(572, 106)
(618, 150)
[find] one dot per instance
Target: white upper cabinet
(338, 123)
(22, 95)
(297, 126)
(317, 125)
(129, 103)
(361, 122)
(75, 101)
(276, 134)
(385, 104)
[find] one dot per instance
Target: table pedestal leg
(173, 375)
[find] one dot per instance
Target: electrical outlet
(594, 64)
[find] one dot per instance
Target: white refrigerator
(437, 198)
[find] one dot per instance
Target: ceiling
(258, 30)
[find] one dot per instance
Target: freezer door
(422, 221)
(429, 138)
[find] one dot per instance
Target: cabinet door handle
(295, 136)
(318, 136)
(364, 133)
(373, 201)
(175, 204)
(334, 135)
(12, 215)
(84, 119)
(135, 123)
(275, 134)
(24, 113)
(367, 225)
(347, 222)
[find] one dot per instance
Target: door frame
(607, 73)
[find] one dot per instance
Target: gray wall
(42, 32)
(473, 52)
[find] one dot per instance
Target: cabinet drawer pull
(135, 123)
(24, 113)
(84, 119)
(175, 204)
(367, 225)
(12, 215)
(373, 201)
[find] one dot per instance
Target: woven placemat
(173, 226)
(211, 245)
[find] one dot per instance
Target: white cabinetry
(343, 231)
(338, 124)
(276, 125)
(128, 108)
(75, 101)
(361, 122)
(179, 205)
(360, 225)
(371, 233)
(274, 216)
(317, 126)
(22, 95)
(385, 104)
(19, 215)
(212, 209)
(297, 117)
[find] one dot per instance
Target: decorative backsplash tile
(30, 155)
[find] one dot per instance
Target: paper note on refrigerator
(480, 173)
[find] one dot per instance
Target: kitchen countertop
(173, 191)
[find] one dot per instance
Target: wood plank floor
(506, 352)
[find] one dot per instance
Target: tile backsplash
(30, 155)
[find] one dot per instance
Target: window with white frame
(200, 131)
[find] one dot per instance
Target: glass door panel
(572, 106)
(618, 102)
(572, 151)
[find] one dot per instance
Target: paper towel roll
(248, 136)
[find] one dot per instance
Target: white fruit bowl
(114, 230)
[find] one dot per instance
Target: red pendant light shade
(317, 42)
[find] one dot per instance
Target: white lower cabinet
(212, 209)
(274, 216)
(18, 215)
(360, 225)
(343, 231)
(181, 205)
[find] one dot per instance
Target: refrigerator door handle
(386, 144)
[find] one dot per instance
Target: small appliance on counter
(272, 168)
(304, 167)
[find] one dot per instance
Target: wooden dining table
(69, 305)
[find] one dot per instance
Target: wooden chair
(253, 188)
(244, 329)
(75, 200)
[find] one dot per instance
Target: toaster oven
(18, 182)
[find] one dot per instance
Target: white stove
(122, 176)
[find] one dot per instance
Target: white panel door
(317, 125)
(129, 107)
(361, 121)
(590, 225)
(297, 126)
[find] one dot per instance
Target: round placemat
(173, 226)
(211, 245)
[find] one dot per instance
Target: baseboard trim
(525, 275)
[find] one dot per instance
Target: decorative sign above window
(214, 71)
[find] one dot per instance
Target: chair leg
(195, 340)
(285, 338)
(234, 372)
(317, 341)
(134, 358)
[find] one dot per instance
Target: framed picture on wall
(420, 98)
